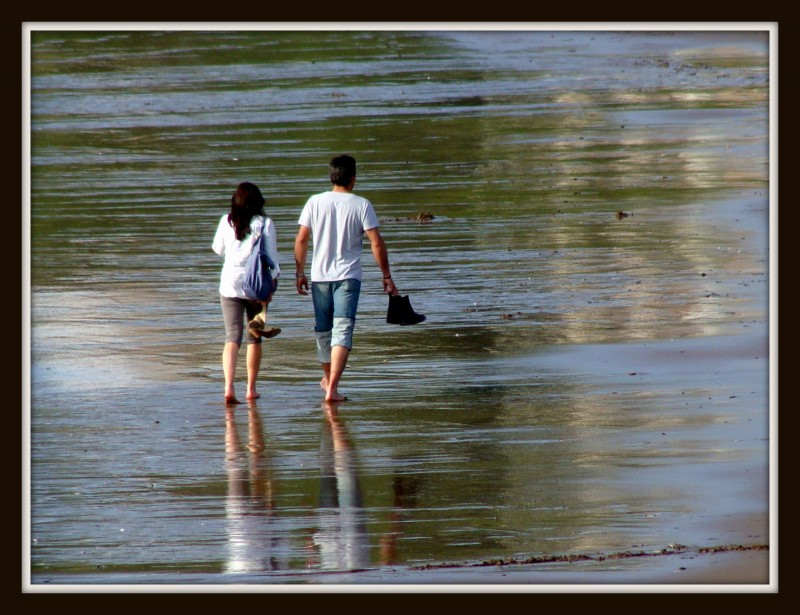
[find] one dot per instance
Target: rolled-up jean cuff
(342, 334)
(323, 346)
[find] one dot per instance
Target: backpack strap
(257, 232)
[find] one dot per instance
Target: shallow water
(593, 194)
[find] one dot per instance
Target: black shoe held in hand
(400, 312)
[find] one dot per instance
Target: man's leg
(339, 355)
(346, 295)
(322, 298)
(324, 352)
(340, 342)
(335, 306)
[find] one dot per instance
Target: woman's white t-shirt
(337, 221)
(236, 253)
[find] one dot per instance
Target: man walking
(337, 221)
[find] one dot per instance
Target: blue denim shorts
(335, 307)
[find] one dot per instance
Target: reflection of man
(341, 540)
(254, 543)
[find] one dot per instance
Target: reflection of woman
(254, 543)
(341, 539)
(233, 240)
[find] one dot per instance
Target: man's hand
(389, 286)
(302, 284)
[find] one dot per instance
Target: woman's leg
(254, 352)
(233, 312)
(229, 354)
(253, 343)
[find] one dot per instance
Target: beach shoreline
(734, 570)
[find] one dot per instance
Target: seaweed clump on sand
(422, 217)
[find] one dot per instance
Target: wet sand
(747, 562)
(749, 559)
(741, 555)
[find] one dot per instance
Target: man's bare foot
(334, 397)
(253, 395)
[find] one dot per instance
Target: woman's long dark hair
(246, 202)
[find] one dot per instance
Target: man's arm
(300, 254)
(381, 256)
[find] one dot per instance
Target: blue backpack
(258, 284)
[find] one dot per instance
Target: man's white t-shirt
(337, 221)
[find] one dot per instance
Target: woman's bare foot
(253, 395)
(230, 396)
(323, 384)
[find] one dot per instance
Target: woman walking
(234, 241)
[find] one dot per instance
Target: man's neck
(346, 189)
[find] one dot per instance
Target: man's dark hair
(342, 169)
